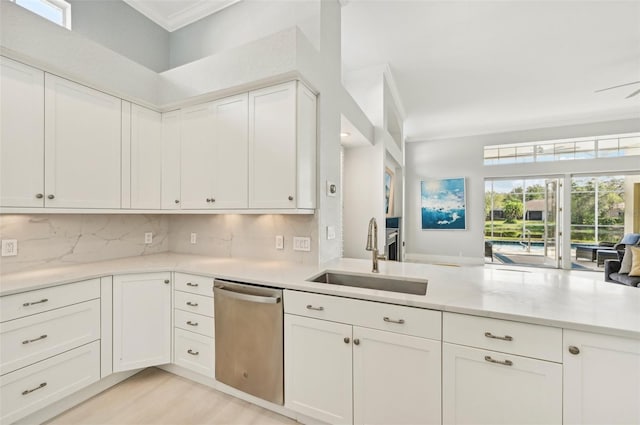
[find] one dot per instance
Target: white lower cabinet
(141, 320)
(195, 352)
(341, 373)
(601, 379)
(487, 387)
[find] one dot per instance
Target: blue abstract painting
(443, 204)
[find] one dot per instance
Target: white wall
(121, 28)
(463, 157)
(241, 23)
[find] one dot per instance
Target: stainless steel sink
(404, 285)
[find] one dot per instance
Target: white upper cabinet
(21, 135)
(146, 158)
(171, 160)
(197, 151)
(601, 379)
(282, 147)
(82, 146)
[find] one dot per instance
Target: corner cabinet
(282, 147)
(141, 320)
(601, 379)
(351, 361)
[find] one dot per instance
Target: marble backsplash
(49, 240)
(246, 236)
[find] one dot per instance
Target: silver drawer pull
(190, 323)
(28, 341)
(25, 392)
(44, 300)
(192, 284)
(310, 307)
(399, 321)
(506, 362)
(189, 303)
(193, 353)
(503, 338)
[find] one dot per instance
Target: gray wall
(242, 23)
(119, 27)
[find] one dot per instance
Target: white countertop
(574, 300)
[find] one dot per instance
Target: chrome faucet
(372, 244)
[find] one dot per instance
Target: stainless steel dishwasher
(249, 339)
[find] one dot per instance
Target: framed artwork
(443, 204)
(388, 192)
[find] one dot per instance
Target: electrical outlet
(279, 242)
(148, 237)
(331, 232)
(301, 244)
(9, 247)
(194, 238)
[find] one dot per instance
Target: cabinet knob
(39, 196)
(213, 199)
(356, 341)
(574, 350)
(346, 339)
(167, 281)
(177, 201)
(290, 198)
(208, 199)
(51, 196)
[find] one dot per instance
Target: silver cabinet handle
(39, 195)
(228, 292)
(346, 339)
(189, 303)
(574, 350)
(503, 338)
(193, 353)
(51, 196)
(192, 284)
(177, 201)
(356, 341)
(167, 281)
(29, 341)
(399, 321)
(213, 199)
(506, 362)
(290, 198)
(44, 300)
(310, 307)
(190, 323)
(25, 392)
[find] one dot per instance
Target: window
(56, 11)
(563, 150)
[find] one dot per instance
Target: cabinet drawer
(31, 339)
(29, 389)
(32, 302)
(388, 317)
(194, 284)
(195, 352)
(194, 323)
(194, 303)
(525, 339)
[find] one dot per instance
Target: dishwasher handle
(227, 291)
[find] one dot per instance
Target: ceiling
(481, 67)
(175, 14)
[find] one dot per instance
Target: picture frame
(443, 204)
(389, 177)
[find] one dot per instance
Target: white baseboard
(444, 259)
(76, 398)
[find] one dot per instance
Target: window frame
(64, 7)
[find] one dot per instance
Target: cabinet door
(146, 158)
(171, 160)
(602, 381)
(230, 174)
(21, 135)
(318, 369)
(272, 147)
(396, 378)
(197, 156)
(141, 320)
(476, 389)
(82, 146)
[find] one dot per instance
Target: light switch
(301, 244)
(279, 242)
(331, 232)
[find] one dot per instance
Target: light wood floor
(154, 396)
